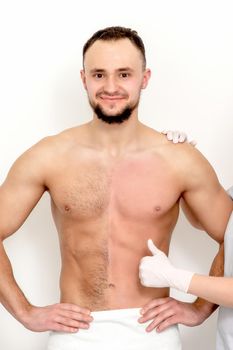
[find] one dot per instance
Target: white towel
(116, 330)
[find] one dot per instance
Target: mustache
(111, 94)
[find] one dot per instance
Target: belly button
(111, 285)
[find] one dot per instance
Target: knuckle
(74, 308)
(66, 329)
(71, 314)
(56, 319)
(70, 322)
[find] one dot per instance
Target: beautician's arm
(218, 290)
(158, 271)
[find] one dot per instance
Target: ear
(83, 77)
(146, 77)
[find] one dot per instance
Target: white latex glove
(178, 136)
(157, 271)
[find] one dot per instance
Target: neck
(115, 138)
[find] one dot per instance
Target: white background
(190, 51)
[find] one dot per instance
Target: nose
(110, 85)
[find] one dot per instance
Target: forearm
(214, 289)
(208, 305)
(59, 317)
(11, 296)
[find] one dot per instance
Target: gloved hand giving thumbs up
(157, 271)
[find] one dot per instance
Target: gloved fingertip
(149, 241)
(182, 137)
(152, 248)
(193, 143)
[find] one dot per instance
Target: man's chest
(132, 187)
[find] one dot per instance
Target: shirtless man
(113, 184)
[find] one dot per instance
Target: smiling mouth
(112, 98)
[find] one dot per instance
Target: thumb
(152, 248)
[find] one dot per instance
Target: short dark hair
(117, 33)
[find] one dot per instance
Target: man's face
(113, 76)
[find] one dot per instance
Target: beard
(117, 118)
(114, 119)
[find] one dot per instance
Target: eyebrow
(125, 69)
(100, 70)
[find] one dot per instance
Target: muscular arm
(217, 268)
(22, 189)
(190, 215)
(176, 137)
(210, 204)
(212, 207)
(18, 195)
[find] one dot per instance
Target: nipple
(157, 208)
(67, 208)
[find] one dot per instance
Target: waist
(115, 314)
(116, 329)
(126, 296)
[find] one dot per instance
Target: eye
(124, 75)
(98, 75)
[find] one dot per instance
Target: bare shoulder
(38, 160)
(185, 159)
(52, 146)
(184, 152)
(193, 167)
